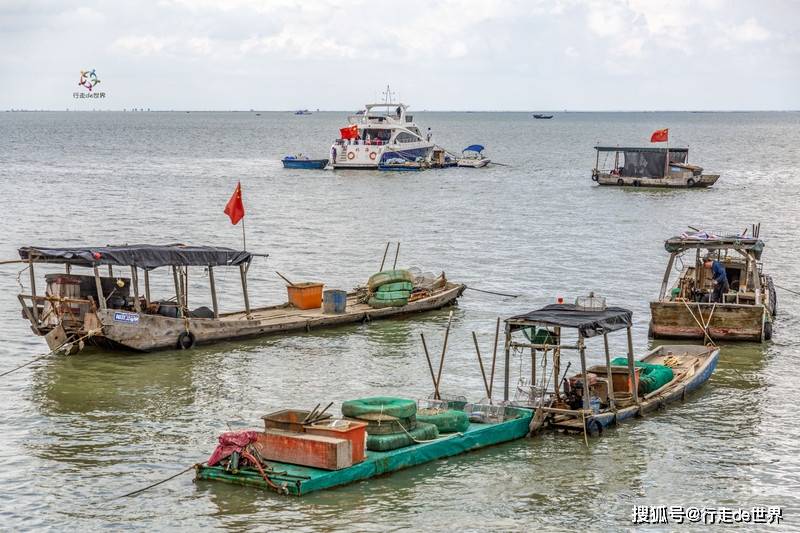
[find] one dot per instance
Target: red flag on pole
(235, 208)
(660, 136)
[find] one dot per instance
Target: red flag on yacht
(660, 136)
(235, 208)
(349, 132)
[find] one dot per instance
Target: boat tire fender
(595, 177)
(620, 181)
(768, 330)
(690, 182)
(636, 183)
(186, 340)
(593, 427)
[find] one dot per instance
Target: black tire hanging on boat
(620, 181)
(186, 340)
(636, 183)
(690, 182)
(595, 177)
(773, 296)
(768, 330)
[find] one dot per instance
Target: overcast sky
(438, 55)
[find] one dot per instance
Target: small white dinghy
(472, 156)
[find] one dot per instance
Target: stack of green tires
(391, 422)
(390, 288)
(448, 421)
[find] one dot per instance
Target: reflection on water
(78, 431)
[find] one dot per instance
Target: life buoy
(186, 340)
(373, 155)
(351, 155)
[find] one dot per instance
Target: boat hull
(678, 182)
(130, 331)
(726, 322)
(304, 163)
(299, 480)
(368, 157)
(473, 163)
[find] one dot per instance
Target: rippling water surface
(78, 431)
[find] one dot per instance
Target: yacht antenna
(387, 95)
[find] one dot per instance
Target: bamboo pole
(178, 297)
(385, 251)
(33, 292)
(213, 284)
(480, 362)
(611, 401)
(135, 281)
(244, 290)
(631, 371)
(444, 350)
(430, 367)
(507, 365)
(396, 254)
(494, 359)
(583, 372)
(147, 287)
(101, 300)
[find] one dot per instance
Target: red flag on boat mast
(235, 208)
(660, 136)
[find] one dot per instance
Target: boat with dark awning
(104, 297)
(648, 167)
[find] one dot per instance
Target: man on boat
(720, 277)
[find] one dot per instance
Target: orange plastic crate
(305, 295)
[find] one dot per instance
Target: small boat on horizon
(542, 116)
(302, 112)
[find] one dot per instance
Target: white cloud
(749, 32)
(142, 45)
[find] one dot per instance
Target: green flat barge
(300, 480)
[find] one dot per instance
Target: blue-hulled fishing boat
(291, 161)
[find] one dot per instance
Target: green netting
(377, 304)
(450, 421)
(389, 276)
(384, 405)
(399, 286)
(383, 443)
(538, 336)
(651, 378)
(391, 295)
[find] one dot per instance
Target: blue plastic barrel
(334, 301)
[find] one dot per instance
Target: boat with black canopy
(105, 307)
(598, 395)
(649, 167)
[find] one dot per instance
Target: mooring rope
(139, 491)
(51, 352)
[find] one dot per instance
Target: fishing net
(651, 377)
(384, 443)
(447, 421)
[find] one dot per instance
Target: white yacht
(378, 133)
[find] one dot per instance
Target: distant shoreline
(561, 112)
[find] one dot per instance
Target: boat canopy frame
(750, 248)
(140, 256)
(587, 323)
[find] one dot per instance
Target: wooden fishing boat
(649, 167)
(109, 310)
(747, 310)
(600, 395)
(298, 480)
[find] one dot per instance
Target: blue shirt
(718, 272)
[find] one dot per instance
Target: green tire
(449, 421)
(379, 405)
(391, 295)
(385, 424)
(389, 276)
(377, 304)
(398, 286)
(384, 443)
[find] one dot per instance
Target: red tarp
(232, 441)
